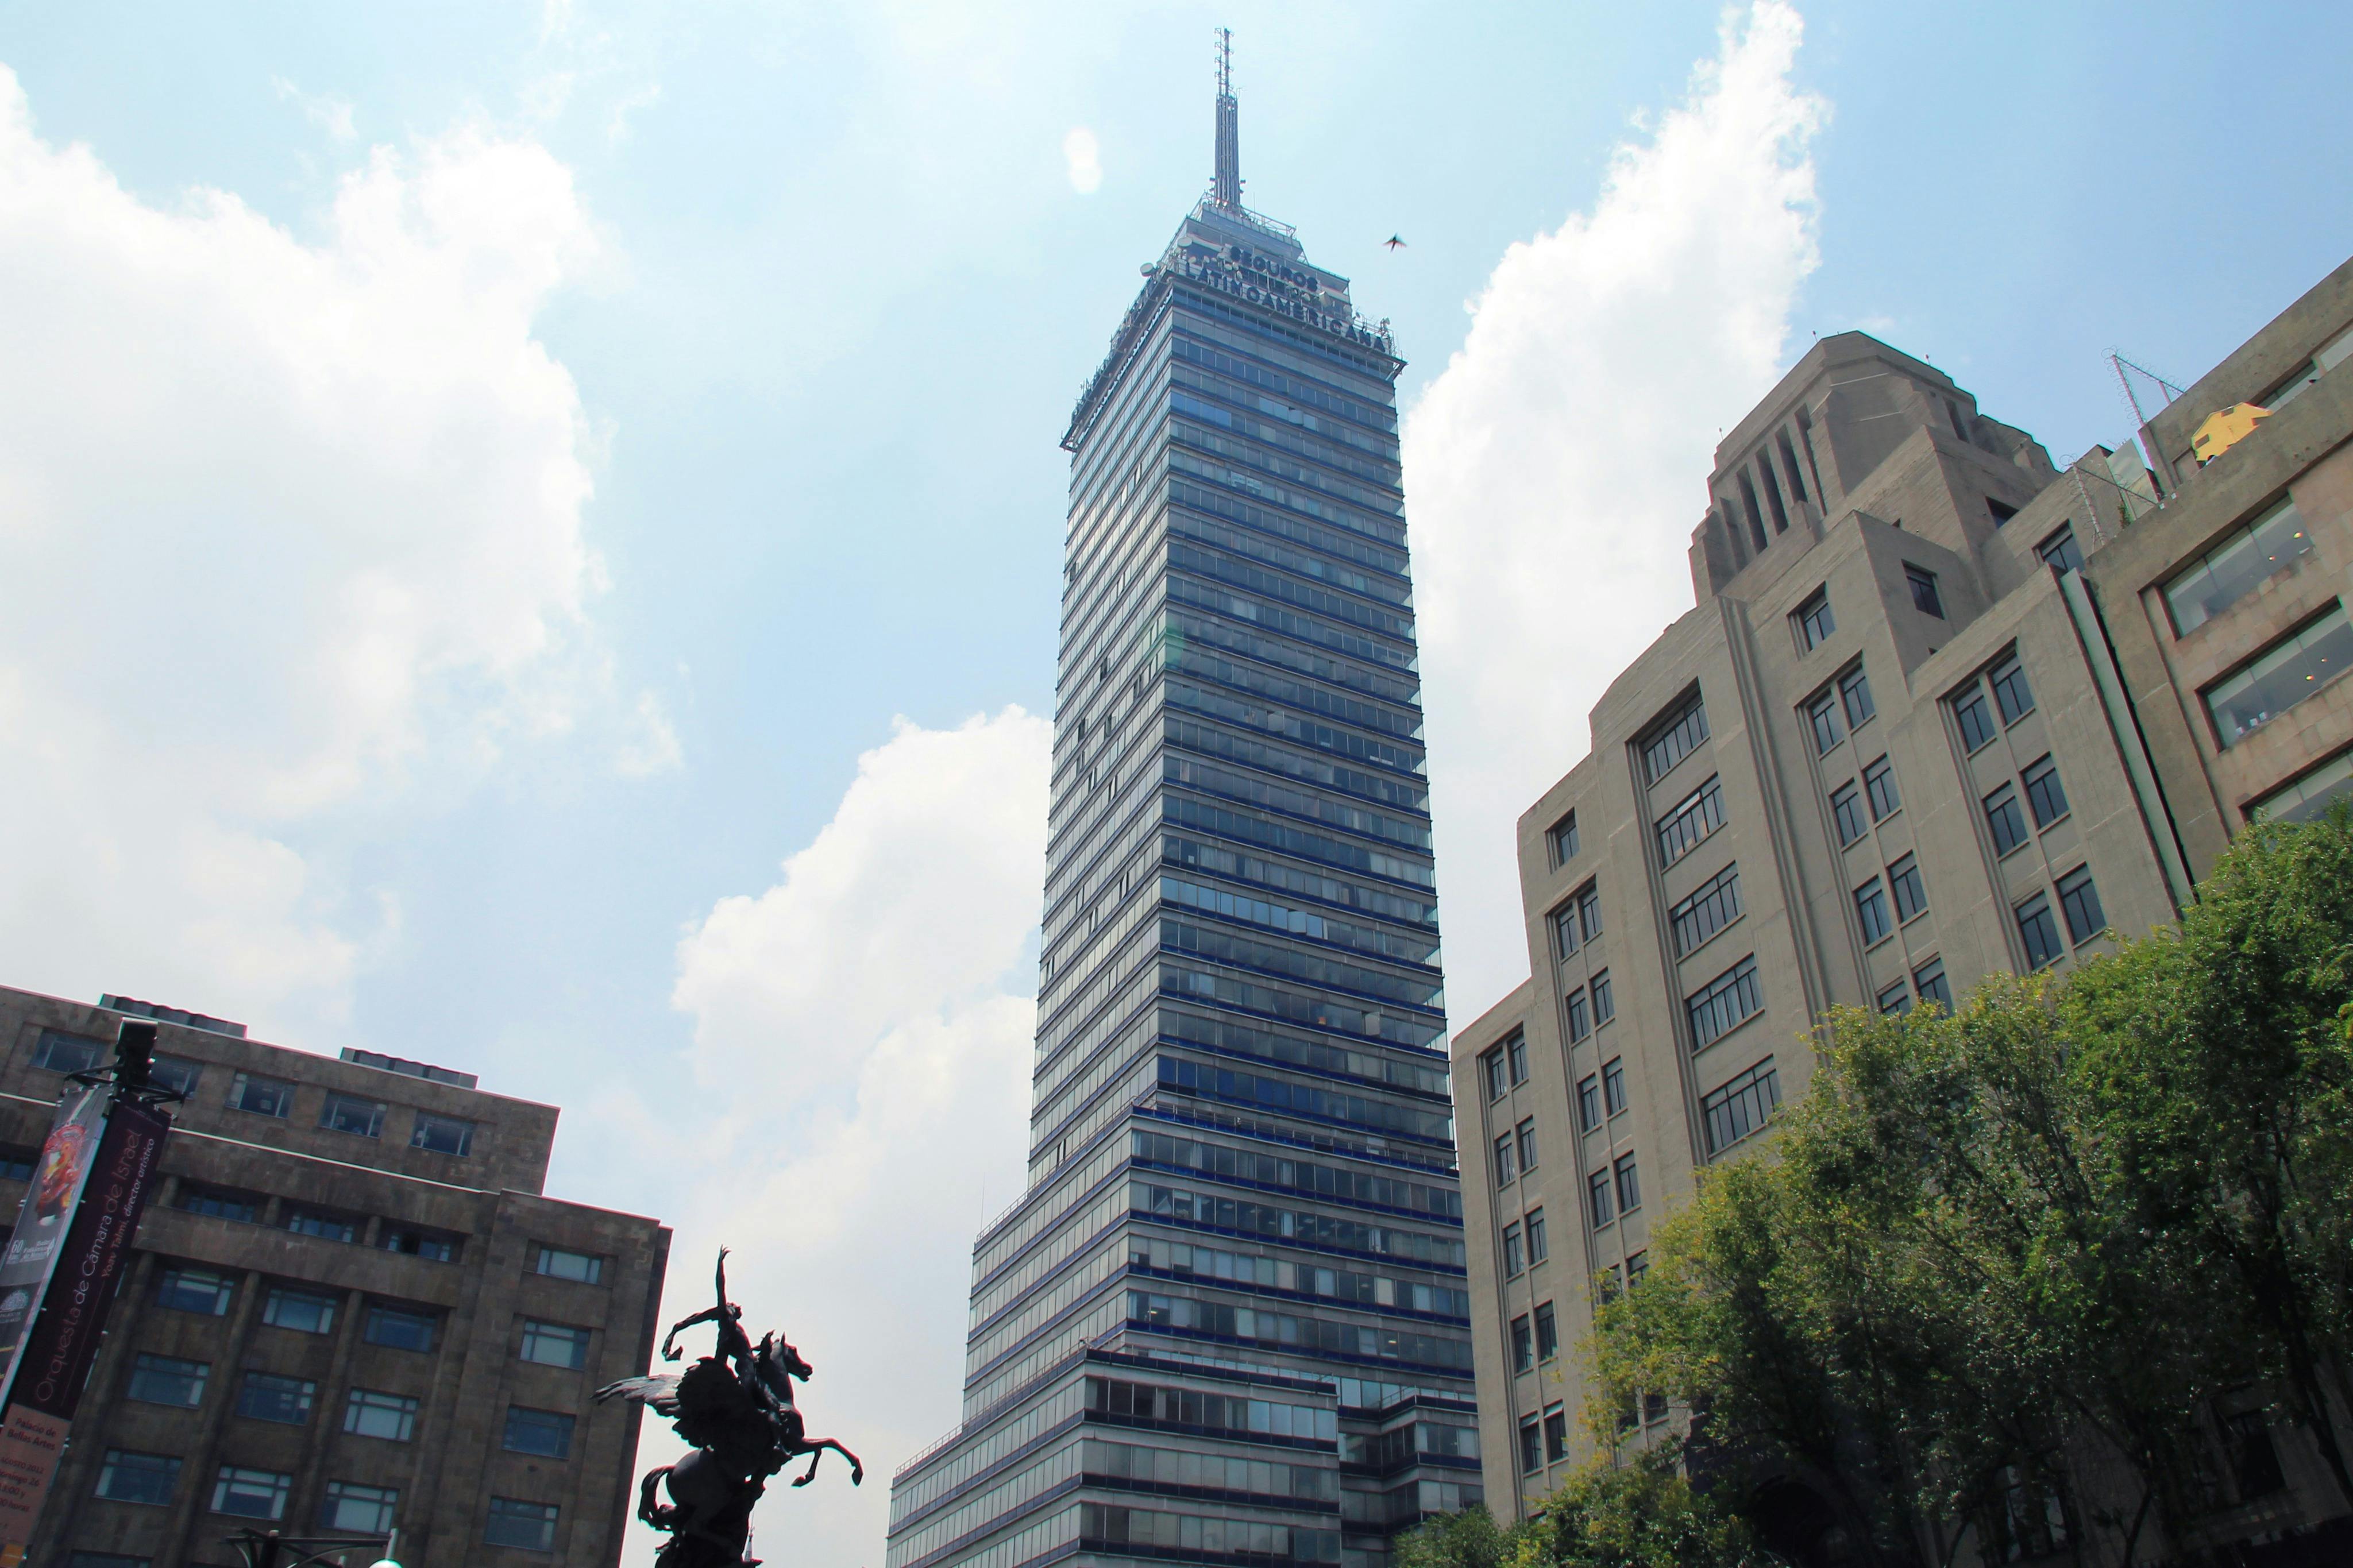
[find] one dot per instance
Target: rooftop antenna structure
(2168, 392)
(1226, 188)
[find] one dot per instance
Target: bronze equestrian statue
(734, 1408)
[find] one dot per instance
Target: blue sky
(577, 457)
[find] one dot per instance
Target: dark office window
(1565, 938)
(1814, 621)
(1822, 722)
(167, 1380)
(2002, 512)
(1515, 1055)
(1854, 692)
(2011, 692)
(528, 1525)
(1629, 1186)
(1504, 1173)
(251, 1493)
(1976, 721)
(268, 1396)
(1596, 1196)
(2039, 932)
(2254, 1459)
(350, 1113)
(442, 1134)
(1879, 783)
(1524, 1345)
(1531, 1446)
(1676, 738)
(1588, 911)
(415, 1241)
(1516, 1257)
(128, 1477)
(1871, 912)
(1588, 1102)
(323, 1224)
(1689, 821)
(1605, 1005)
(547, 1433)
(1547, 1333)
(177, 1074)
(1925, 597)
(1846, 810)
(1613, 1085)
(1929, 978)
(2044, 792)
(1579, 1021)
(301, 1311)
(1896, 998)
(554, 1345)
(260, 1096)
(1741, 1107)
(399, 1329)
(1526, 1134)
(1724, 1003)
(1563, 839)
(2007, 823)
(221, 1203)
(2081, 902)
(1911, 893)
(195, 1290)
(1714, 905)
(1636, 1265)
(1556, 1431)
(2060, 552)
(1492, 1066)
(61, 1052)
(1539, 1247)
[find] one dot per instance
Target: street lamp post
(269, 1549)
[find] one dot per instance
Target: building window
(16, 1163)
(1846, 810)
(2003, 512)
(268, 1396)
(442, 1134)
(547, 1433)
(528, 1525)
(166, 1380)
(1724, 1004)
(1694, 818)
(1527, 1136)
(1896, 998)
(1579, 1023)
(2060, 552)
(371, 1414)
(1562, 837)
(2304, 798)
(350, 1113)
(1714, 906)
(61, 1052)
(2003, 818)
(2255, 1459)
(1589, 910)
(1539, 1245)
(414, 1241)
(1636, 1265)
(1613, 1085)
(1629, 1186)
(399, 1329)
(1925, 597)
(1678, 736)
(128, 1477)
(1605, 1005)
(1741, 1107)
(351, 1507)
(2080, 900)
(1911, 893)
(2044, 792)
(195, 1290)
(2282, 676)
(1930, 980)
(219, 1202)
(1515, 1052)
(260, 1096)
(1854, 692)
(1879, 784)
(1531, 1446)
(1565, 938)
(2039, 933)
(2244, 559)
(1871, 913)
(580, 1268)
(1976, 721)
(1822, 722)
(1503, 1171)
(1555, 1434)
(1492, 1066)
(554, 1345)
(1547, 1333)
(251, 1494)
(1597, 1197)
(327, 1227)
(2011, 692)
(1588, 1103)
(177, 1074)
(1515, 1256)
(301, 1311)
(1523, 1346)
(1814, 621)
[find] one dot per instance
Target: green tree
(1469, 1539)
(1638, 1511)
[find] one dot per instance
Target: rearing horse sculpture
(735, 1408)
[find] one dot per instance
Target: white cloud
(289, 526)
(330, 114)
(1557, 466)
(1082, 159)
(868, 1020)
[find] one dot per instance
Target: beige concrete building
(1942, 709)
(349, 1307)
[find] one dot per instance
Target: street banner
(53, 1358)
(44, 1217)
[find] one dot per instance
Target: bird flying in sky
(1393, 242)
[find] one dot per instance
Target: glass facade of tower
(1227, 1322)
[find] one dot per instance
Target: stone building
(1942, 709)
(351, 1307)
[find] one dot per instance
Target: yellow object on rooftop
(2225, 429)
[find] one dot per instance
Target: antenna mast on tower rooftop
(1226, 188)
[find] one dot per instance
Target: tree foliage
(2064, 1221)
(1635, 1513)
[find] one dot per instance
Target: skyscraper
(1226, 1321)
